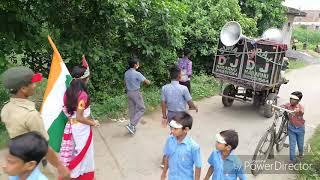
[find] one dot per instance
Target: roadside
(312, 158)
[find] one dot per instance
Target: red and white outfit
(77, 145)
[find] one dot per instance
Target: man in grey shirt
(174, 99)
(133, 80)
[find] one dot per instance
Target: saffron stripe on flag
(52, 107)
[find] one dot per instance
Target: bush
(4, 97)
(110, 32)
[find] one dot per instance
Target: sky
(303, 4)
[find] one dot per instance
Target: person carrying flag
(77, 151)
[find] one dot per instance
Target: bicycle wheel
(262, 151)
(282, 134)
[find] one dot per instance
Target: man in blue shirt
(133, 80)
(223, 163)
(182, 153)
(175, 97)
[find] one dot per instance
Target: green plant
(4, 97)
(312, 158)
(308, 36)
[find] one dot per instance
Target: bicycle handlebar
(270, 102)
(282, 109)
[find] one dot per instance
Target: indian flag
(51, 110)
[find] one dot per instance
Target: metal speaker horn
(273, 34)
(231, 33)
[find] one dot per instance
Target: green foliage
(203, 24)
(267, 13)
(4, 137)
(312, 158)
(304, 35)
(4, 97)
(110, 32)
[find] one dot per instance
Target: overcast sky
(303, 4)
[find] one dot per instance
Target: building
(311, 20)
(292, 15)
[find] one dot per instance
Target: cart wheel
(268, 109)
(229, 90)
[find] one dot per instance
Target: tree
(267, 13)
(109, 32)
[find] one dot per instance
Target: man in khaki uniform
(20, 115)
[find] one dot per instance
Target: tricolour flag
(51, 111)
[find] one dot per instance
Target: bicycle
(270, 138)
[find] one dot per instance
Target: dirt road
(120, 156)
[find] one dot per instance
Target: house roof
(296, 12)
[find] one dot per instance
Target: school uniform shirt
(20, 116)
(35, 175)
(176, 96)
(133, 79)
(183, 157)
(229, 169)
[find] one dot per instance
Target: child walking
(175, 97)
(223, 163)
(182, 153)
(133, 79)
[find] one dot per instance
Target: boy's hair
(187, 52)
(298, 94)
(30, 146)
(231, 138)
(174, 72)
(184, 119)
(132, 62)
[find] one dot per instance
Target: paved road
(138, 158)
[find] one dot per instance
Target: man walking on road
(133, 79)
(20, 115)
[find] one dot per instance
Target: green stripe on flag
(56, 131)
(68, 80)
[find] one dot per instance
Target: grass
(296, 64)
(313, 158)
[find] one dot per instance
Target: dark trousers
(187, 84)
